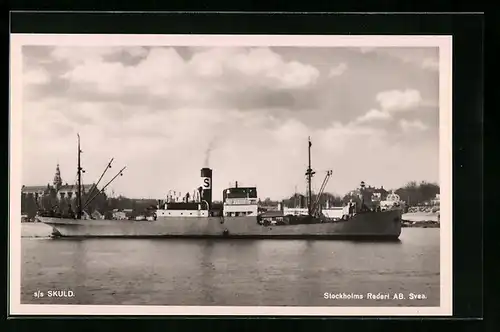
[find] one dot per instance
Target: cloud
(36, 76)
(365, 50)
(374, 115)
(136, 51)
(338, 70)
(430, 63)
(339, 138)
(165, 149)
(397, 100)
(160, 67)
(412, 126)
(224, 78)
(74, 55)
(164, 72)
(422, 57)
(164, 77)
(104, 77)
(158, 113)
(266, 64)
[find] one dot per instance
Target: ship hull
(380, 225)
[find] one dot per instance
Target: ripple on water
(240, 272)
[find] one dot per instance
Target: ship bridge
(240, 201)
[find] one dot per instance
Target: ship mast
(79, 192)
(309, 174)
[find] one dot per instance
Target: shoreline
(424, 224)
(420, 220)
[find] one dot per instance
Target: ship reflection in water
(232, 272)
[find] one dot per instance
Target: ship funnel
(206, 185)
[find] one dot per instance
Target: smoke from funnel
(211, 146)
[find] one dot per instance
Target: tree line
(415, 194)
(412, 193)
(92, 201)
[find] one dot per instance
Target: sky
(246, 112)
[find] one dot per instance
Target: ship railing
(208, 205)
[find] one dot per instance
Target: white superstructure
(240, 201)
(392, 201)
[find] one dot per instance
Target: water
(231, 272)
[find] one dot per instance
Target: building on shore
(371, 192)
(119, 215)
(61, 191)
(436, 200)
(122, 214)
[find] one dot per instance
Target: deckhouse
(240, 201)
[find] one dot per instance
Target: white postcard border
(445, 104)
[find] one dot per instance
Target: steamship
(237, 217)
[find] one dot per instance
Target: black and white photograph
(230, 175)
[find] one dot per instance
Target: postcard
(256, 175)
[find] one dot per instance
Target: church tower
(57, 178)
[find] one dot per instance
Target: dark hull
(375, 225)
